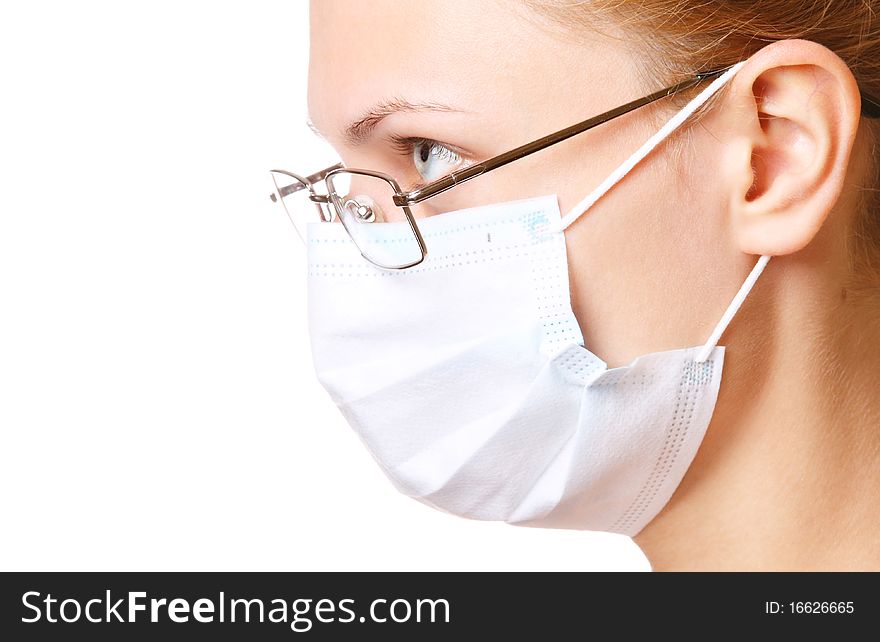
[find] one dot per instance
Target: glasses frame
(338, 205)
(870, 109)
(334, 204)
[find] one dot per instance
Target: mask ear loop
(623, 169)
(732, 309)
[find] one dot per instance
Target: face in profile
(573, 378)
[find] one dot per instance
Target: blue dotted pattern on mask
(535, 224)
(698, 374)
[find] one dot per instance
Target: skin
(787, 476)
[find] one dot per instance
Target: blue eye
(433, 160)
(430, 158)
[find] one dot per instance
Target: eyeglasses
(377, 214)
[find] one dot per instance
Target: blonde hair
(681, 37)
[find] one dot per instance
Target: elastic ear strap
(732, 309)
(575, 212)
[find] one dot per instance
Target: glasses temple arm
(870, 108)
(466, 174)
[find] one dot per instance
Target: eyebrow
(358, 131)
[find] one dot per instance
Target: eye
(430, 158)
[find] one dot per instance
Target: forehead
(461, 52)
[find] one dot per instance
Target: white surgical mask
(467, 379)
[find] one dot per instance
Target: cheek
(640, 267)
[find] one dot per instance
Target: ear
(794, 119)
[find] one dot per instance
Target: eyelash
(405, 145)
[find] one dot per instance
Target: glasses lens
(381, 230)
(293, 194)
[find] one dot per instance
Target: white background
(158, 409)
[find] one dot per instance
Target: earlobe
(797, 114)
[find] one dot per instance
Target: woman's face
(652, 265)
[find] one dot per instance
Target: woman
(428, 335)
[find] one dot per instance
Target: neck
(788, 476)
